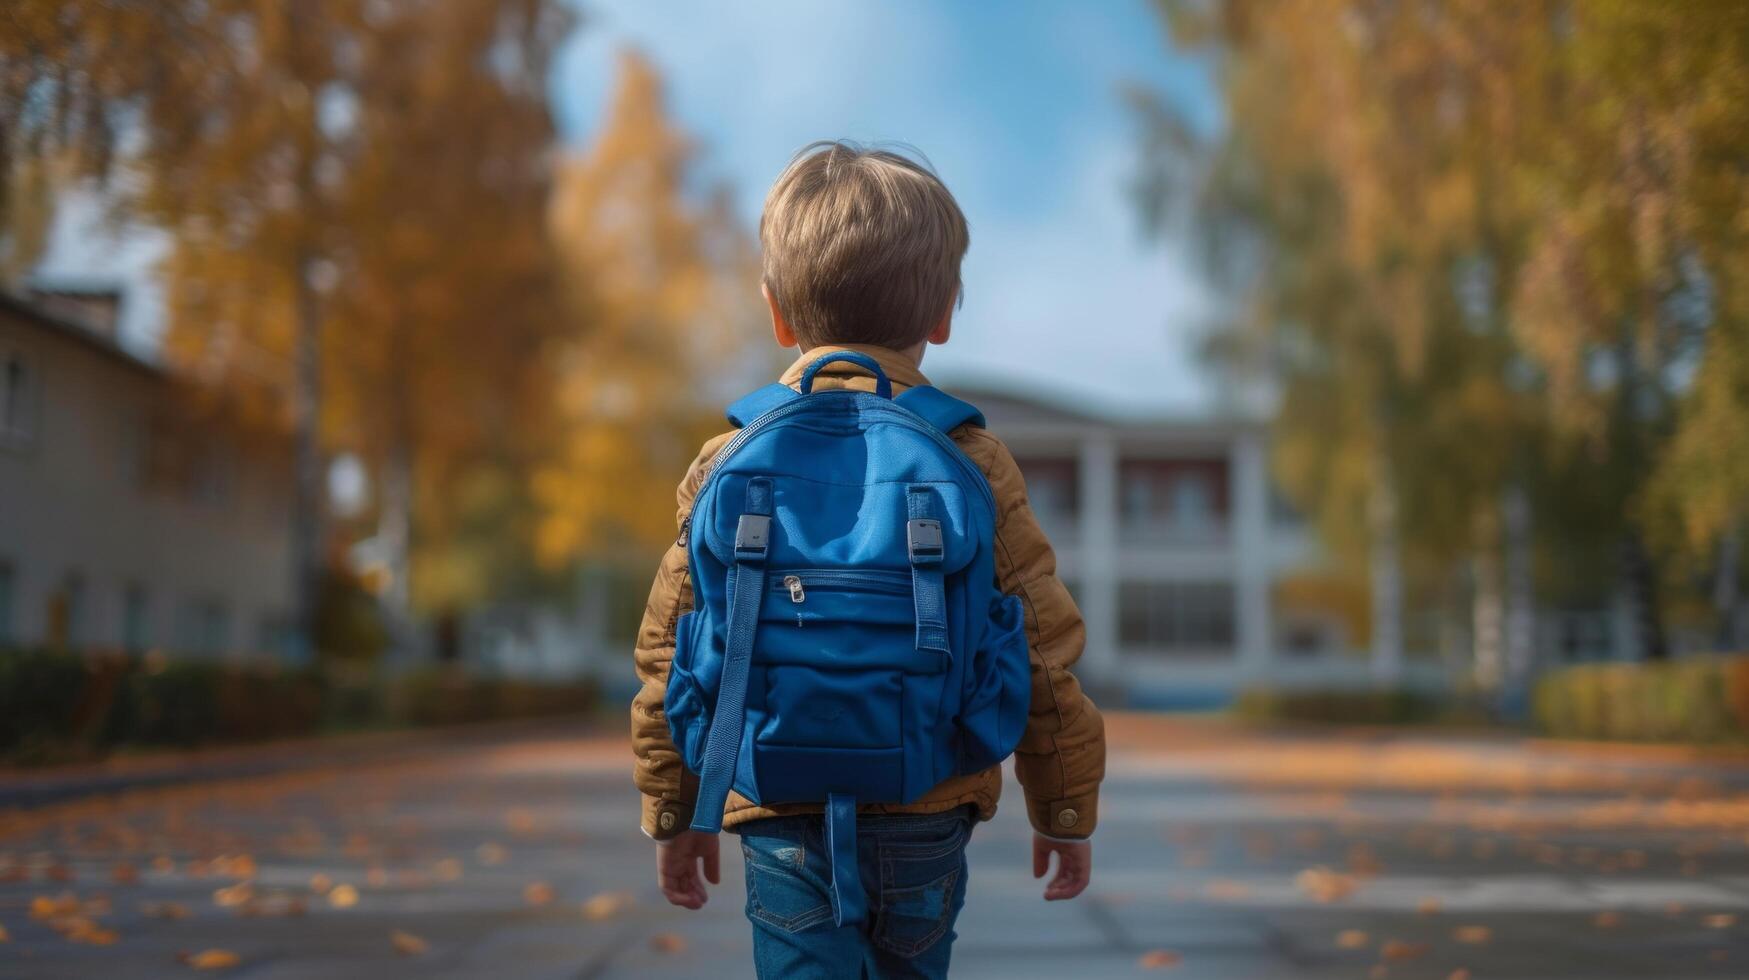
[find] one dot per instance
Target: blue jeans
(913, 867)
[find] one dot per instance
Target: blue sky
(1016, 104)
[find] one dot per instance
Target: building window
(1053, 488)
(18, 400)
(66, 613)
(136, 631)
(205, 628)
(1176, 617)
(212, 476)
(1178, 499)
(8, 595)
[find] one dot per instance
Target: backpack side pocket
(998, 690)
(682, 703)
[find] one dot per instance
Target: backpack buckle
(923, 541)
(752, 537)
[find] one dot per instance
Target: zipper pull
(685, 529)
(794, 584)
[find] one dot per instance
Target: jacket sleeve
(1061, 756)
(667, 787)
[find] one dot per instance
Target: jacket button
(666, 821)
(1068, 817)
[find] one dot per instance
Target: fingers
(1041, 856)
(712, 863)
(677, 875)
(1074, 871)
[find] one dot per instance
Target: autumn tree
(353, 190)
(1471, 251)
(664, 284)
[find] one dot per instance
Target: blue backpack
(847, 642)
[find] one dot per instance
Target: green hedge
(1692, 700)
(1356, 706)
(58, 706)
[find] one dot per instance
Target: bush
(1704, 699)
(448, 696)
(1358, 706)
(40, 693)
(56, 706)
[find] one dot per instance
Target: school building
(1193, 577)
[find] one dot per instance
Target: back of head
(861, 246)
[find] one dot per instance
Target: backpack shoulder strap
(939, 408)
(759, 401)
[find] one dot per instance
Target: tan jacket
(1061, 756)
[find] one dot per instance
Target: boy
(862, 252)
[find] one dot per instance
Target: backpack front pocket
(842, 681)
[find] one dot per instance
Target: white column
(1251, 554)
(1099, 554)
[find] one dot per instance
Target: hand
(677, 868)
(1074, 865)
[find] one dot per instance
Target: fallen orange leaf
(235, 895)
(214, 959)
(1159, 959)
(606, 905)
(1325, 885)
(1472, 935)
(53, 907)
(1397, 950)
(1224, 890)
(1352, 939)
(1606, 920)
(1723, 920)
(408, 944)
(343, 896)
(667, 942)
(537, 893)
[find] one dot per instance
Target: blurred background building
(130, 522)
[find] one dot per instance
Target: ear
(944, 329)
(780, 328)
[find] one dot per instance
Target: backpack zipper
(797, 581)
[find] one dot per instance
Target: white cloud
(1073, 298)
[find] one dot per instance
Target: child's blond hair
(862, 246)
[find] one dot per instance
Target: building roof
(1029, 403)
(25, 311)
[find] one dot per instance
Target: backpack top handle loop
(883, 387)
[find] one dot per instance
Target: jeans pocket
(922, 887)
(913, 919)
(781, 890)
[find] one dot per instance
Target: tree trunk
(1640, 576)
(1725, 586)
(395, 528)
(1520, 599)
(1487, 622)
(307, 485)
(1386, 563)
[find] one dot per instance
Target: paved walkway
(1219, 855)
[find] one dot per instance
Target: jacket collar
(899, 369)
